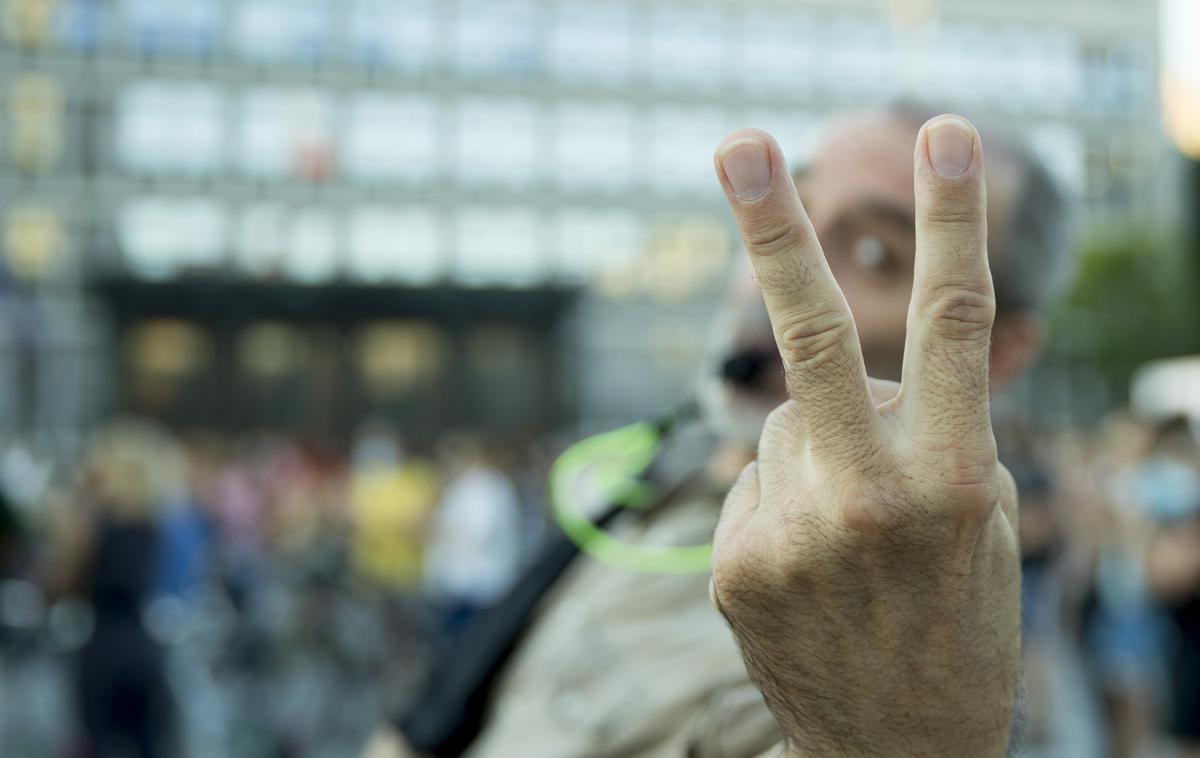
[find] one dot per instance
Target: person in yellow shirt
(391, 498)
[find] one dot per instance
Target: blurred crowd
(1110, 538)
(204, 595)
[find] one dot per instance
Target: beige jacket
(623, 664)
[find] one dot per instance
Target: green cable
(613, 462)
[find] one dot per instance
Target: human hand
(867, 562)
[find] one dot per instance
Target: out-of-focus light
(1180, 23)
(269, 350)
(29, 23)
(35, 111)
(22, 605)
(394, 355)
(34, 242)
(1168, 388)
(167, 347)
(685, 258)
(69, 624)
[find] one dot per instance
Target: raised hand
(867, 562)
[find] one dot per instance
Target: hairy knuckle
(958, 457)
(969, 505)
(734, 574)
(813, 338)
(967, 484)
(871, 517)
(785, 418)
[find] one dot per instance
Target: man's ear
(1016, 338)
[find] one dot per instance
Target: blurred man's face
(858, 191)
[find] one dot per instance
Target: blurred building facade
(300, 212)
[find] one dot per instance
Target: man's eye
(870, 253)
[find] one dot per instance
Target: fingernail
(951, 146)
(747, 164)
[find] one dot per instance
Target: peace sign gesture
(867, 561)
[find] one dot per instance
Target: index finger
(813, 327)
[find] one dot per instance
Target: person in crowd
(1042, 540)
(188, 530)
(1170, 490)
(111, 556)
(473, 550)
(12, 539)
(1118, 624)
(391, 497)
(850, 599)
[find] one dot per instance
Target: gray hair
(1031, 261)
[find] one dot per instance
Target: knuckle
(774, 238)
(872, 517)
(953, 215)
(735, 576)
(956, 498)
(955, 206)
(969, 505)
(961, 311)
(785, 419)
(959, 458)
(876, 504)
(967, 486)
(814, 338)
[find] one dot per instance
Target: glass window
(687, 46)
(496, 37)
(263, 149)
(82, 24)
(774, 51)
(1027, 71)
(171, 127)
(589, 241)
(286, 132)
(393, 34)
(1062, 70)
(497, 246)
(179, 27)
(959, 61)
(393, 138)
(497, 141)
(1063, 151)
(279, 30)
(394, 244)
(594, 145)
(797, 131)
(684, 140)
(591, 41)
(312, 253)
(261, 242)
(858, 55)
(162, 236)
